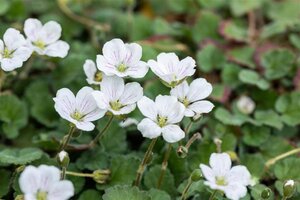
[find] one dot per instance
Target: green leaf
(234, 31)
(93, 159)
(226, 117)
(257, 190)
(13, 114)
(125, 193)
(5, 4)
(253, 78)
(20, 156)
(209, 58)
(230, 75)
(295, 40)
(269, 117)
(241, 7)
(4, 183)
(212, 3)
(284, 11)
(254, 163)
(243, 56)
(90, 195)
(287, 169)
(156, 194)
(255, 136)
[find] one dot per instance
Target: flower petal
(13, 39)
(23, 53)
(114, 51)
(186, 67)
(200, 107)
(101, 100)
(104, 66)
(199, 89)
(124, 110)
(207, 173)
(132, 93)
(1, 47)
(133, 54)
(65, 103)
(90, 70)
(147, 108)
(49, 175)
(138, 71)
(62, 190)
(157, 68)
(235, 191)
(220, 163)
(29, 180)
(52, 32)
(180, 91)
(172, 133)
(239, 174)
(85, 126)
(169, 61)
(149, 129)
(112, 87)
(32, 28)
(57, 49)
(9, 64)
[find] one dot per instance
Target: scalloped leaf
(20, 156)
(125, 193)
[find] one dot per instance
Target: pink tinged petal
(165, 104)
(169, 61)
(65, 103)
(85, 126)
(138, 71)
(235, 191)
(30, 196)
(176, 113)
(9, 64)
(240, 175)
(220, 163)
(112, 87)
(114, 51)
(157, 68)
(133, 54)
(149, 129)
(62, 190)
(207, 173)
(101, 100)
(52, 31)
(133, 92)
(180, 91)
(148, 108)
(199, 89)
(57, 49)
(200, 107)
(29, 180)
(125, 110)
(49, 175)
(23, 53)
(172, 133)
(186, 67)
(13, 39)
(32, 28)
(104, 66)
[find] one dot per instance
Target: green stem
(212, 196)
(101, 133)
(186, 189)
(67, 140)
(144, 162)
(192, 140)
(164, 166)
(79, 174)
(188, 127)
(281, 156)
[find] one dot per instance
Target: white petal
(62, 190)
(157, 68)
(169, 107)
(200, 107)
(180, 91)
(149, 129)
(30, 196)
(172, 133)
(128, 122)
(65, 103)
(9, 64)
(23, 53)
(13, 39)
(104, 66)
(185, 68)
(114, 51)
(53, 32)
(101, 100)
(147, 108)
(1, 47)
(133, 54)
(239, 174)
(235, 191)
(124, 110)
(32, 28)
(57, 49)
(220, 163)
(199, 89)
(112, 87)
(207, 173)
(138, 71)
(132, 93)
(49, 175)
(29, 180)
(85, 126)
(90, 69)
(169, 61)
(189, 113)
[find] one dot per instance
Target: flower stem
(281, 156)
(164, 166)
(66, 141)
(144, 162)
(212, 196)
(186, 189)
(79, 174)
(192, 140)
(101, 133)
(188, 127)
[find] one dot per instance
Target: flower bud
(182, 151)
(266, 193)
(289, 188)
(232, 155)
(246, 105)
(197, 117)
(196, 175)
(63, 159)
(19, 197)
(101, 176)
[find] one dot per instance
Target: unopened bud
(266, 193)
(232, 155)
(182, 151)
(218, 143)
(19, 197)
(289, 188)
(196, 175)
(197, 117)
(246, 105)
(101, 176)
(63, 159)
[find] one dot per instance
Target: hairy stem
(272, 161)
(79, 174)
(164, 166)
(101, 133)
(186, 189)
(212, 196)
(66, 141)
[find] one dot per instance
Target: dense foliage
(247, 49)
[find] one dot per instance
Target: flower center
(7, 53)
(40, 44)
(41, 195)
(77, 116)
(185, 102)
(115, 105)
(98, 77)
(162, 121)
(122, 67)
(220, 180)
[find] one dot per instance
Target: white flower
(80, 110)
(62, 155)
(43, 182)
(220, 176)
(44, 39)
(122, 59)
(117, 97)
(191, 96)
(93, 75)
(162, 116)
(246, 105)
(13, 51)
(128, 122)
(171, 70)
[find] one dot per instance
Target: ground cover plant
(149, 99)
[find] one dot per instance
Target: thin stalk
(186, 189)
(195, 137)
(101, 133)
(281, 156)
(79, 174)
(212, 196)
(67, 140)
(188, 127)
(164, 166)
(144, 162)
